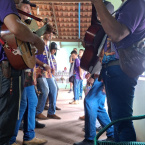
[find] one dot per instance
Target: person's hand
(48, 69)
(39, 44)
(91, 81)
(87, 76)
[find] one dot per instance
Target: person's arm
(22, 32)
(81, 73)
(115, 30)
(70, 60)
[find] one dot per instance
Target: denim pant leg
(91, 103)
(81, 88)
(52, 95)
(29, 116)
(44, 89)
(120, 93)
(103, 117)
(8, 107)
(23, 107)
(76, 89)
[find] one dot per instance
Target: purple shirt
(43, 57)
(132, 15)
(6, 7)
(54, 63)
(76, 68)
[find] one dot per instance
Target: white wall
(139, 109)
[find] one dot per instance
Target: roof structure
(70, 18)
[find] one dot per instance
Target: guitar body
(20, 54)
(93, 41)
(93, 38)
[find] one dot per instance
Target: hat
(28, 2)
(109, 6)
(53, 45)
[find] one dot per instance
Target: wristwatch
(44, 65)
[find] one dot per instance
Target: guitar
(20, 54)
(94, 40)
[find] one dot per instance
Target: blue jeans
(42, 86)
(81, 88)
(27, 111)
(76, 89)
(120, 94)
(48, 88)
(94, 109)
(9, 104)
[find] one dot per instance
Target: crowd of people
(35, 90)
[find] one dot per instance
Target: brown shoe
(15, 143)
(46, 107)
(54, 116)
(82, 118)
(41, 116)
(35, 141)
(74, 102)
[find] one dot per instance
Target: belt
(111, 63)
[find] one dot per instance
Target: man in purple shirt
(9, 103)
(127, 28)
(77, 79)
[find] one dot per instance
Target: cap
(53, 45)
(109, 6)
(28, 2)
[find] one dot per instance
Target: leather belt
(111, 63)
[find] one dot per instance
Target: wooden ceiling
(64, 17)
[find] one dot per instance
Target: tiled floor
(67, 130)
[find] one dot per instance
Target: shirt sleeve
(131, 14)
(7, 7)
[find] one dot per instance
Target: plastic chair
(97, 142)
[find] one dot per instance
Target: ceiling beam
(55, 19)
(64, 17)
(55, 1)
(70, 22)
(76, 11)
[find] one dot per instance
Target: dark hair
(49, 29)
(81, 50)
(74, 52)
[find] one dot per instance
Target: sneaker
(35, 141)
(54, 116)
(15, 143)
(39, 125)
(85, 142)
(111, 138)
(70, 91)
(58, 108)
(74, 102)
(82, 118)
(41, 116)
